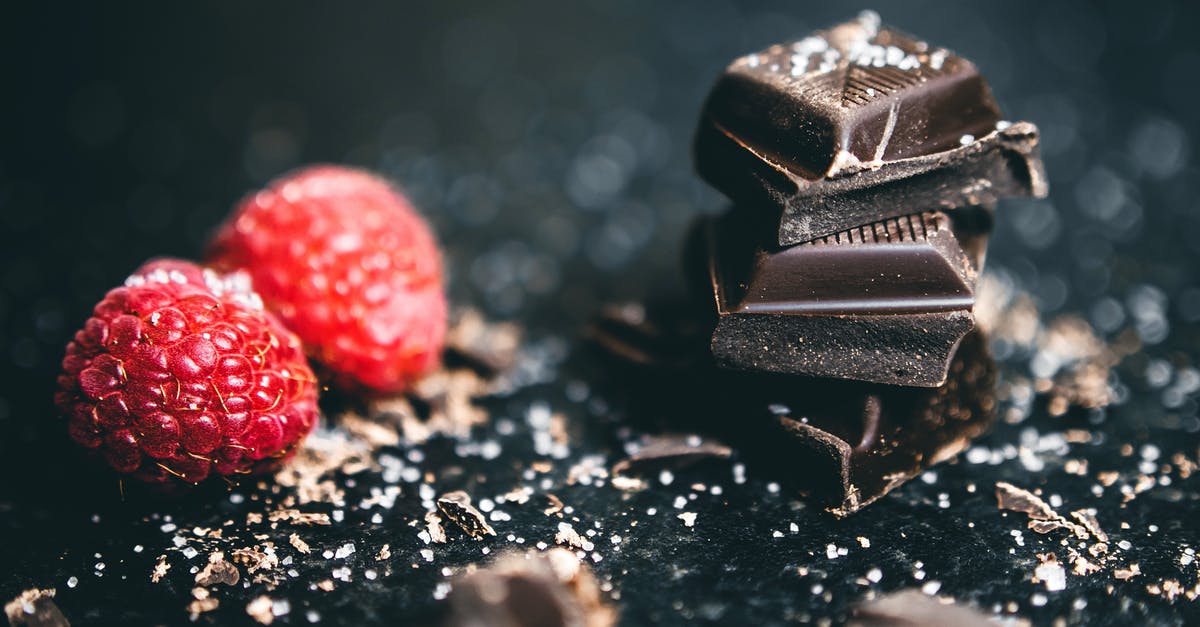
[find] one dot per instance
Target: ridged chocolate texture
(887, 302)
(855, 124)
(855, 95)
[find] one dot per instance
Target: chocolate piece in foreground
(844, 444)
(550, 589)
(811, 129)
(913, 607)
(886, 302)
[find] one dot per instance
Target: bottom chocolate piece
(843, 444)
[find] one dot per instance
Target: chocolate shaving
(457, 507)
(1043, 518)
(160, 569)
(1088, 520)
(672, 450)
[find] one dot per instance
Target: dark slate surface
(549, 145)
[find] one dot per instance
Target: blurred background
(548, 143)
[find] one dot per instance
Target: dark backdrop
(547, 141)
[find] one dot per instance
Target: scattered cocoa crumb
(555, 506)
(628, 484)
(567, 535)
(1043, 518)
(160, 569)
(325, 585)
(541, 466)
(488, 345)
(1088, 520)
(217, 571)
(299, 543)
(384, 553)
(433, 525)
(457, 507)
(297, 517)
(1125, 574)
(255, 559)
(369, 431)
(35, 608)
(201, 603)
(1144, 483)
(260, 609)
(519, 495)
(1108, 477)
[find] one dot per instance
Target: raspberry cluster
(183, 373)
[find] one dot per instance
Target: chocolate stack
(864, 166)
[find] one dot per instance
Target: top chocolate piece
(851, 98)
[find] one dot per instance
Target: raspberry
(181, 374)
(348, 264)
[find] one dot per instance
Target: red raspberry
(349, 265)
(180, 374)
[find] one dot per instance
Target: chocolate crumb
(555, 506)
(1125, 574)
(217, 571)
(300, 544)
(384, 553)
(35, 608)
(457, 507)
(433, 525)
(160, 569)
(260, 609)
(1088, 520)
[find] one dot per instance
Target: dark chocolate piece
(844, 444)
(886, 302)
(851, 97)
(913, 607)
(457, 507)
(824, 130)
(551, 589)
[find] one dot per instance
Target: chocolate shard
(458, 508)
(848, 444)
(816, 129)
(887, 302)
(843, 444)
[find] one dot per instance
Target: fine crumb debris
(299, 543)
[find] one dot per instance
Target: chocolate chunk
(550, 589)
(850, 444)
(859, 123)
(844, 444)
(912, 607)
(887, 302)
(457, 507)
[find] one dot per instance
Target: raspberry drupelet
(348, 264)
(180, 375)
